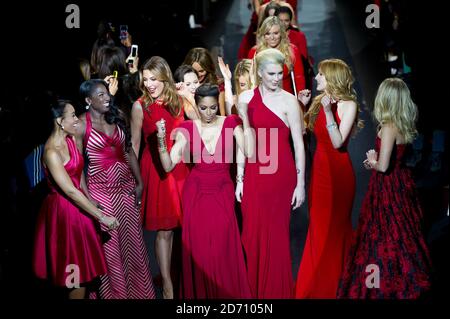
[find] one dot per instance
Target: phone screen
(123, 32)
(134, 52)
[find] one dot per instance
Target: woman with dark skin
(114, 181)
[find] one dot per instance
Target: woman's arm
(338, 134)
(135, 169)
(62, 179)
(137, 116)
(388, 137)
(245, 135)
(295, 120)
(169, 161)
(226, 73)
(222, 104)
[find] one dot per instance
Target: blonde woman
(331, 117)
(272, 34)
(389, 234)
(243, 80)
(273, 186)
(161, 196)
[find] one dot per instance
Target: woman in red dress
(212, 257)
(272, 34)
(161, 197)
(331, 117)
(274, 179)
(389, 236)
(67, 239)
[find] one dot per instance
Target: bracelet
(331, 126)
(102, 218)
(162, 147)
(239, 178)
(298, 171)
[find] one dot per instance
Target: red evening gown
(213, 264)
(65, 235)
(161, 197)
(330, 201)
(299, 73)
(389, 236)
(269, 183)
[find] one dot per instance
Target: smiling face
(152, 84)
(69, 120)
(273, 36)
(200, 71)
(191, 82)
(99, 99)
(271, 76)
(208, 107)
(285, 19)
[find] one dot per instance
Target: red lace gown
(110, 182)
(299, 74)
(389, 236)
(213, 264)
(65, 235)
(269, 183)
(161, 197)
(330, 201)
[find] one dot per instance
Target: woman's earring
(87, 106)
(62, 127)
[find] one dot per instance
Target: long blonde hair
(284, 46)
(393, 105)
(169, 97)
(243, 68)
(339, 85)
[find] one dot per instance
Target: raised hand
(225, 69)
(161, 127)
(304, 96)
(326, 103)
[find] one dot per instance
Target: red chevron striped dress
(110, 182)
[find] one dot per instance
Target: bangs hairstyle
(169, 97)
(182, 70)
(204, 59)
(339, 85)
(284, 45)
(393, 105)
(243, 68)
(267, 56)
(205, 90)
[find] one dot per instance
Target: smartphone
(115, 74)
(123, 31)
(134, 50)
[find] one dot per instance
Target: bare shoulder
(347, 105)
(245, 97)
(289, 100)
(137, 105)
(51, 155)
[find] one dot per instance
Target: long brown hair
(169, 97)
(202, 57)
(339, 85)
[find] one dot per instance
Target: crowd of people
(167, 151)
